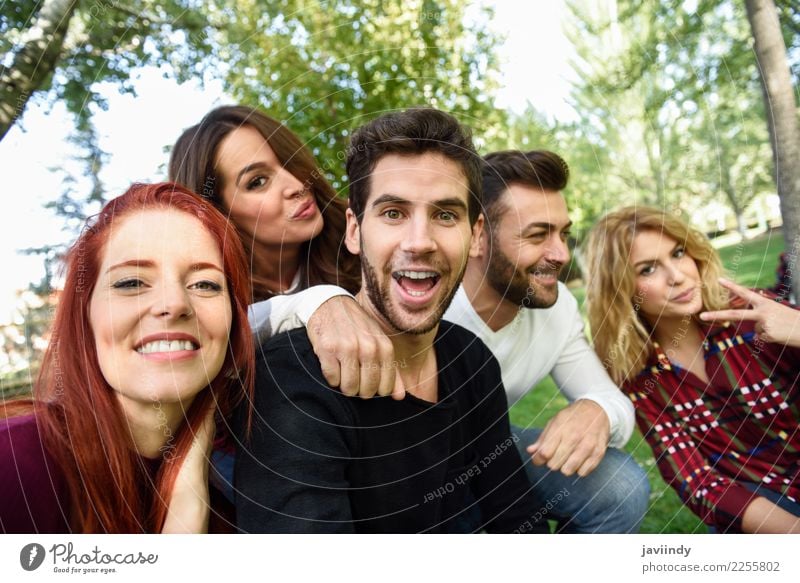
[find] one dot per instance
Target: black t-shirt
(317, 461)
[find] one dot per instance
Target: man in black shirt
(317, 461)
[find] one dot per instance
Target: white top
(543, 341)
(536, 343)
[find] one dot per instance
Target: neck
(487, 303)
(679, 333)
(414, 355)
(276, 264)
(153, 426)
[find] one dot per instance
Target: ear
(352, 233)
(476, 245)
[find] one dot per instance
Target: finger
(591, 463)
(370, 378)
(351, 376)
(741, 291)
(399, 392)
(387, 367)
(547, 448)
(560, 456)
(331, 369)
(734, 315)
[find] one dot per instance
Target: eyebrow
(644, 261)
(146, 263)
(441, 203)
(546, 225)
(248, 168)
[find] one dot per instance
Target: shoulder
(32, 484)
(456, 341)
(18, 435)
(460, 350)
(289, 378)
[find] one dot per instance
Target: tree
(66, 47)
(784, 129)
(674, 94)
(326, 67)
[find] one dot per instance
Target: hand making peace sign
(774, 322)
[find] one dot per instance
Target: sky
(135, 131)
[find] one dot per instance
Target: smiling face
(160, 311)
(668, 284)
(266, 202)
(414, 239)
(528, 248)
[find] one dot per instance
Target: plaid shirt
(740, 426)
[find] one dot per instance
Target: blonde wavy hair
(622, 338)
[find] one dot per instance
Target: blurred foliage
(327, 67)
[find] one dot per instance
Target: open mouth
(416, 283)
(548, 276)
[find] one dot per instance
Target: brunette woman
(262, 176)
(711, 367)
(150, 341)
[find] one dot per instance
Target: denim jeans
(612, 499)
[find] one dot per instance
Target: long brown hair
(622, 339)
(80, 420)
(192, 163)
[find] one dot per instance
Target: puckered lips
(168, 346)
(305, 210)
(417, 286)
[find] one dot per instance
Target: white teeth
(166, 346)
(415, 293)
(417, 274)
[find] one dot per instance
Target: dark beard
(513, 284)
(380, 299)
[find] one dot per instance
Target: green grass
(751, 263)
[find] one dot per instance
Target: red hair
(80, 420)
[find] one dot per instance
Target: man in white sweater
(511, 298)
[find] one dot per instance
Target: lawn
(751, 263)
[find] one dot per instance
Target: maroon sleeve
(34, 496)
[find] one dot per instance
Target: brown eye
(257, 182)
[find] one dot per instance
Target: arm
(599, 415)
(762, 516)
(354, 351)
(714, 498)
(290, 473)
(290, 311)
(190, 504)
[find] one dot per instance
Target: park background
(659, 103)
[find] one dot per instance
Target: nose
(172, 302)
(557, 250)
(675, 275)
(291, 187)
(418, 238)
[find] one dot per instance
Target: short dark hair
(538, 169)
(411, 132)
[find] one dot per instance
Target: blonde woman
(711, 367)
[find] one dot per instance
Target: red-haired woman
(261, 175)
(150, 342)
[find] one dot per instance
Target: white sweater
(550, 341)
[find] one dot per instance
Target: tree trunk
(784, 129)
(34, 60)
